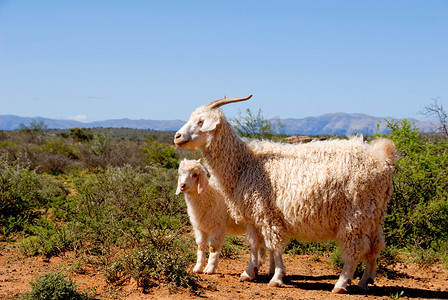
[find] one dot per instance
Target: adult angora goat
(330, 190)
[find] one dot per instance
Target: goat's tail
(385, 150)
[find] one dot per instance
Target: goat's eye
(195, 175)
(200, 123)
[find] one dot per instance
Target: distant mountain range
(11, 122)
(337, 123)
(344, 124)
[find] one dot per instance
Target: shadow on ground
(317, 283)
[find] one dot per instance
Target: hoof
(339, 290)
(275, 283)
(365, 285)
(209, 270)
(246, 277)
(198, 269)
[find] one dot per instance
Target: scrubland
(83, 204)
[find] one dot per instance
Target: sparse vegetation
(154, 264)
(54, 286)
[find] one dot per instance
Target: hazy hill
(337, 123)
(11, 122)
(342, 123)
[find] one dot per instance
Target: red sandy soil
(306, 279)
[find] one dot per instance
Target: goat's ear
(178, 189)
(209, 124)
(202, 183)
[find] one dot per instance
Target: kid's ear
(209, 124)
(178, 189)
(202, 183)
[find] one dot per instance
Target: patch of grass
(442, 251)
(296, 247)
(232, 246)
(424, 258)
(315, 258)
(54, 286)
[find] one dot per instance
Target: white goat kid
(329, 190)
(211, 221)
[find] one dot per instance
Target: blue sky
(97, 60)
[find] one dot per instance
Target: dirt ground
(306, 279)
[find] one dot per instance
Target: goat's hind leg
(352, 251)
(277, 279)
(371, 262)
(346, 277)
(369, 273)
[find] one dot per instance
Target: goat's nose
(178, 136)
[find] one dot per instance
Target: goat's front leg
(216, 240)
(279, 271)
(254, 239)
(252, 269)
(201, 240)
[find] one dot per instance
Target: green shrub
(101, 144)
(47, 239)
(81, 135)
(54, 286)
(56, 145)
(418, 210)
(22, 194)
(257, 126)
(161, 155)
(150, 265)
(122, 206)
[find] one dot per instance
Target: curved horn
(220, 102)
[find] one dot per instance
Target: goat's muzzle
(179, 139)
(183, 187)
